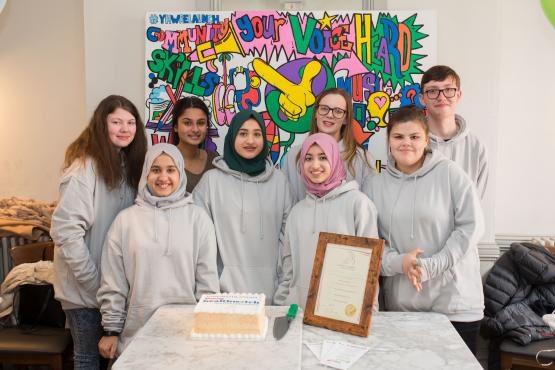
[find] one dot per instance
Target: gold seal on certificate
(350, 309)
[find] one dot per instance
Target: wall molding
(504, 240)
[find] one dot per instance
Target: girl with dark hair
(333, 115)
(248, 201)
(101, 174)
(190, 126)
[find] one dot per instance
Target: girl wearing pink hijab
(332, 204)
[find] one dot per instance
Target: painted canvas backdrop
(277, 62)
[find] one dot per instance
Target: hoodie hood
(433, 158)
(264, 176)
(462, 132)
(144, 195)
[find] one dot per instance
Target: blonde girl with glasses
(333, 115)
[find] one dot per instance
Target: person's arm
(72, 218)
(291, 171)
(483, 172)
(114, 286)
(206, 270)
(467, 230)
(201, 194)
(285, 265)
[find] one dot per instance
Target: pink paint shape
(380, 101)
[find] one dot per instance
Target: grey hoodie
(249, 215)
(344, 210)
(436, 209)
(85, 211)
(159, 251)
(467, 151)
(291, 169)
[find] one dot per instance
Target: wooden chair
(42, 345)
(515, 354)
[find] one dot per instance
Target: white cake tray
(234, 338)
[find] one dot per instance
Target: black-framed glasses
(323, 110)
(448, 92)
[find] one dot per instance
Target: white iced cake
(230, 315)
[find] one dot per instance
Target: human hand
(108, 346)
(294, 99)
(411, 268)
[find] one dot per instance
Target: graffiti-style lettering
(277, 62)
(363, 27)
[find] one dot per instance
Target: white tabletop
(397, 340)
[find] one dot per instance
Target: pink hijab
(331, 149)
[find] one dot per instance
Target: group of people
(129, 241)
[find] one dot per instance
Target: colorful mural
(277, 63)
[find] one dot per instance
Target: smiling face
(192, 126)
(408, 141)
(328, 123)
(121, 128)
(316, 165)
(441, 106)
(249, 141)
(163, 177)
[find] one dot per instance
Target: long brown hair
(346, 132)
(94, 142)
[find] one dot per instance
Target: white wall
(42, 89)
(525, 192)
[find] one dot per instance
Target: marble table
(397, 340)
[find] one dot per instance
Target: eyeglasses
(323, 110)
(448, 92)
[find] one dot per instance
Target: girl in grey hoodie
(333, 115)
(430, 217)
(248, 201)
(160, 251)
(102, 170)
(331, 205)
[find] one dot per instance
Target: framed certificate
(344, 283)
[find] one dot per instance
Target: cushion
(41, 340)
(530, 349)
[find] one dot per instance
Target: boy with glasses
(441, 93)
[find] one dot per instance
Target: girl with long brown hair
(101, 173)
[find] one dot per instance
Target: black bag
(37, 306)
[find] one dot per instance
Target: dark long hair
(180, 107)
(94, 142)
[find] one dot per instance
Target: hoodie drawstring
(393, 209)
(155, 225)
(168, 252)
(243, 226)
(261, 219)
(413, 207)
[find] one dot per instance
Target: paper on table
(315, 348)
(341, 355)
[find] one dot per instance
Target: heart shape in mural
(380, 101)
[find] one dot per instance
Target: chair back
(29, 253)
